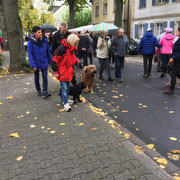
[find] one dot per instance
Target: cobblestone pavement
(56, 145)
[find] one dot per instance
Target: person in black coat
(59, 36)
(83, 46)
(176, 65)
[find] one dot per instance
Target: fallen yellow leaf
(94, 129)
(62, 124)
(175, 151)
(27, 83)
(115, 97)
(52, 132)
(32, 126)
(139, 151)
(1, 103)
(14, 135)
(19, 158)
(124, 111)
(42, 127)
(176, 178)
(63, 134)
(10, 97)
(173, 138)
(27, 112)
(150, 146)
(144, 106)
(174, 157)
(127, 136)
(61, 110)
(58, 105)
(35, 118)
(162, 166)
(171, 112)
(162, 161)
(80, 124)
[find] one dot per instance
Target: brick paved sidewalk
(59, 145)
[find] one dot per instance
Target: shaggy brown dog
(87, 77)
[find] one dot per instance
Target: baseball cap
(169, 30)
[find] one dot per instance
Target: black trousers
(147, 59)
(175, 73)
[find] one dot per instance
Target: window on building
(105, 7)
(158, 29)
(97, 10)
(177, 25)
(140, 30)
(142, 3)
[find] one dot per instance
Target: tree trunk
(118, 13)
(3, 26)
(14, 33)
(71, 13)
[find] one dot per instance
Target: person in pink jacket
(166, 50)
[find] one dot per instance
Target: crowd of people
(64, 49)
(167, 53)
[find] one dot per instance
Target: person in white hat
(147, 48)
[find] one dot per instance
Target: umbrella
(103, 27)
(48, 28)
(86, 28)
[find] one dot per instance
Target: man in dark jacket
(119, 50)
(59, 36)
(147, 48)
(39, 57)
(83, 46)
(176, 65)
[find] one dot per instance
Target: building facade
(155, 14)
(104, 11)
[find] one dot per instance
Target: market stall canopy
(103, 27)
(82, 28)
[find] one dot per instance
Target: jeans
(45, 80)
(165, 61)
(118, 61)
(64, 91)
(104, 63)
(2, 46)
(175, 73)
(147, 59)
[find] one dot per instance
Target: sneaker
(39, 93)
(67, 107)
(169, 92)
(120, 80)
(70, 101)
(149, 74)
(110, 79)
(113, 65)
(45, 95)
(145, 76)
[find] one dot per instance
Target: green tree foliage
(31, 16)
(74, 6)
(82, 17)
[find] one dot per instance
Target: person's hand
(56, 75)
(78, 62)
(171, 60)
(35, 69)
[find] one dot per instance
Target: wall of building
(168, 14)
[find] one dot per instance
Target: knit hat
(169, 30)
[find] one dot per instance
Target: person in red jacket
(1, 42)
(63, 63)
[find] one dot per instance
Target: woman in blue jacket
(39, 58)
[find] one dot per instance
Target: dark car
(133, 46)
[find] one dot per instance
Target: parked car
(133, 46)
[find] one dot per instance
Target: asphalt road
(153, 122)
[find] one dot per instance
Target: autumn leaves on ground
(37, 135)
